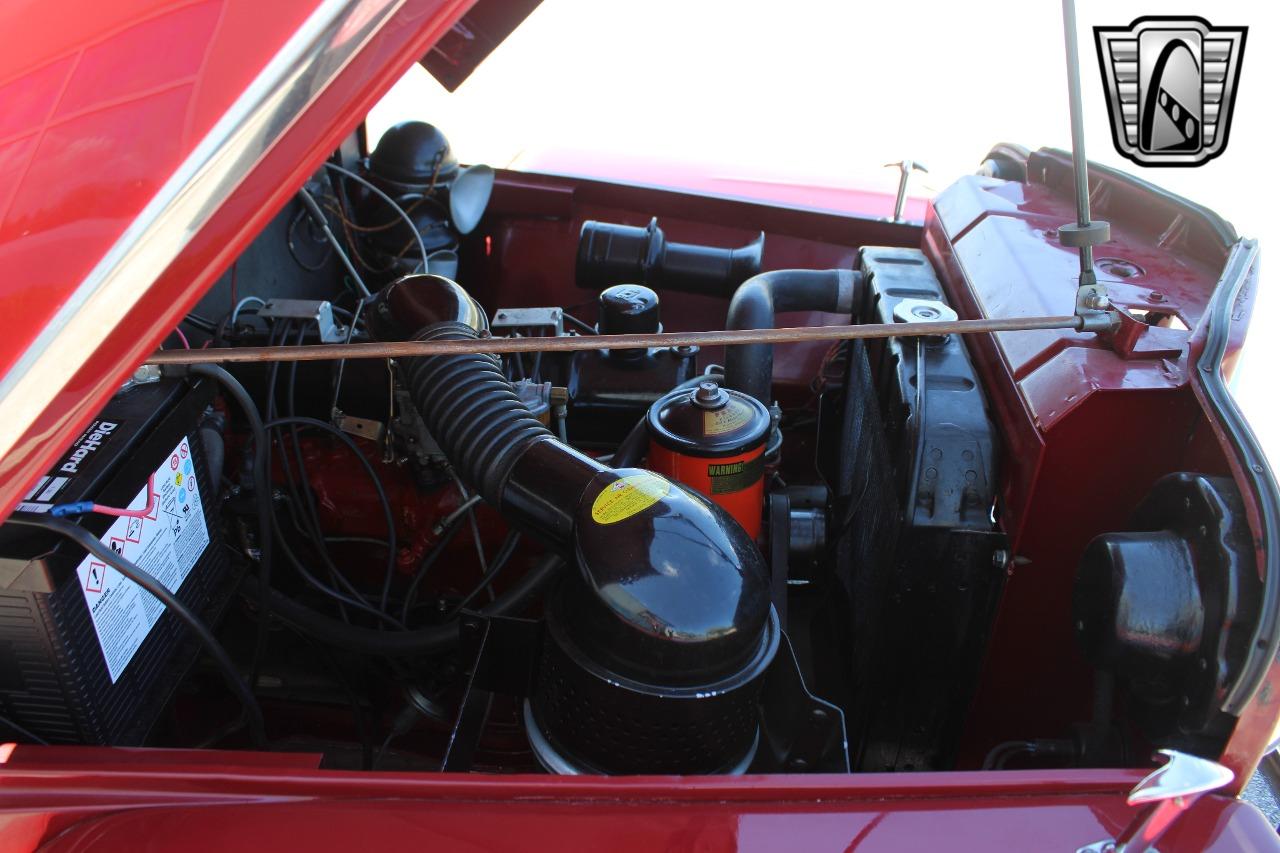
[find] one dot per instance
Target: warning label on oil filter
(733, 415)
(729, 477)
(165, 542)
(627, 496)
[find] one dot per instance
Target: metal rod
(900, 203)
(400, 349)
(1079, 160)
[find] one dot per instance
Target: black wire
(278, 334)
(293, 250)
(22, 732)
(318, 215)
(475, 532)
(413, 228)
(581, 325)
(342, 362)
(312, 512)
(356, 540)
(341, 598)
(147, 581)
(421, 641)
(207, 326)
(505, 550)
(302, 509)
(424, 568)
(262, 493)
(377, 484)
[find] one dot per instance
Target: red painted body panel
(1074, 411)
(223, 803)
(781, 187)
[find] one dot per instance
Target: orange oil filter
(712, 440)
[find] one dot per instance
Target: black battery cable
(144, 579)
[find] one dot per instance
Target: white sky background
(829, 91)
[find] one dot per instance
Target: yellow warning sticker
(727, 418)
(632, 494)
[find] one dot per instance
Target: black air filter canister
(657, 643)
(656, 663)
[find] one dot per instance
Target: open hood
(106, 242)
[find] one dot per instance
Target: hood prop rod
(1093, 306)
(401, 349)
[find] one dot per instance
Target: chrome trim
(307, 63)
(1163, 796)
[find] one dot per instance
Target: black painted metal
(1169, 606)
(913, 471)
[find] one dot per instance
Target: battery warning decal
(167, 545)
(627, 496)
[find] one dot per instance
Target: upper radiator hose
(749, 367)
(667, 616)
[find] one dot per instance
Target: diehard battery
(86, 655)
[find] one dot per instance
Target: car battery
(86, 655)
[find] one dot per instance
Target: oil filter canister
(712, 440)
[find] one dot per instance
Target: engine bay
(661, 560)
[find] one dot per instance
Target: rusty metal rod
(401, 349)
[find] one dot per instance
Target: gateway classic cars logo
(1170, 84)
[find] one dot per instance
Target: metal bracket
(316, 310)
(799, 733)
(514, 319)
(361, 427)
(503, 651)
(779, 551)
(1164, 795)
(144, 375)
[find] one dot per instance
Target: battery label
(86, 446)
(166, 543)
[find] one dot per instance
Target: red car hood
(201, 116)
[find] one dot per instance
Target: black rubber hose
(749, 367)
(472, 411)
(261, 489)
(144, 579)
(422, 641)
